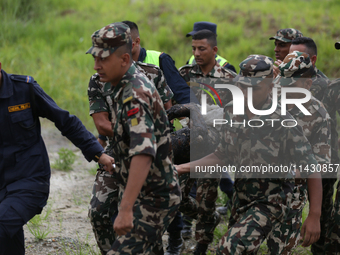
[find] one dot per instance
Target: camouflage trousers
(333, 232)
(150, 223)
(202, 209)
(250, 224)
(319, 247)
(285, 238)
(103, 205)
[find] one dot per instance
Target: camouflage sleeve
(139, 124)
(184, 72)
(162, 87)
(321, 140)
(95, 94)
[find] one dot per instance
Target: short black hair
(206, 34)
(126, 48)
(308, 42)
(132, 25)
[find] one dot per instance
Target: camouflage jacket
(316, 128)
(99, 92)
(271, 144)
(331, 100)
(140, 126)
(197, 80)
(319, 85)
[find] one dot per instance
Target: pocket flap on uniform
(22, 115)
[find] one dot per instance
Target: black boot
(201, 249)
(175, 243)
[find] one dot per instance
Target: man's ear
(125, 59)
(313, 59)
(215, 49)
(0, 66)
(137, 42)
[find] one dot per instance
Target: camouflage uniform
(105, 191)
(104, 199)
(140, 126)
(331, 101)
(316, 128)
(259, 201)
(203, 207)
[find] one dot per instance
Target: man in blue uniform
(24, 165)
(201, 25)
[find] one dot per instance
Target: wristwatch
(97, 156)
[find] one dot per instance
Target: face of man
(110, 69)
(203, 52)
(281, 49)
(260, 92)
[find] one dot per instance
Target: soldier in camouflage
(205, 72)
(283, 40)
(331, 101)
(103, 205)
(141, 146)
(320, 80)
(297, 70)
(260, 200)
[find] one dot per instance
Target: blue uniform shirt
(24, 161)
(177, 84)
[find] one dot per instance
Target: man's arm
(177, 84)
(310, 231)
(103, 124)
(139, 169)
(208, 160)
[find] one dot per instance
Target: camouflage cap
(286, 35)
(107, 40)
(254, 69)
(292, 68)
(337, 45)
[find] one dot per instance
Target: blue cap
(198, 26)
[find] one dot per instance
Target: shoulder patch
(127, 93)
(22, 78)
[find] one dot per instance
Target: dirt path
(66, 212)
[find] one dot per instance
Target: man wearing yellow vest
(178, 86)
(198, 26)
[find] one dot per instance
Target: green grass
(48, 39)
(65, 160)
(39, 225)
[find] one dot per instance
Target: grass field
(47, 39)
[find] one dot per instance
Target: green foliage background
(47, 39)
